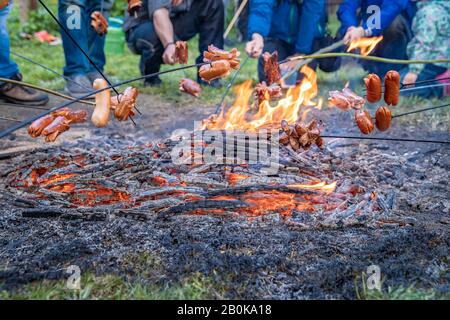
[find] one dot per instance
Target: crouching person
(289, 27)
(158, 24)
(431, 28)
(392, 20)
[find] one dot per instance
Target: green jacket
(431, 28)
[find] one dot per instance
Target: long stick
(235, 17)
(306, 60)
(385, 139)
(420, 110)
(48, 69)
(55, 93)
(372, 58)
(24, 123)
(230, 84)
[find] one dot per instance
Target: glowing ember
(57, 178)
(365, 45)
(288, 108)
(234, 178)
(322, 186)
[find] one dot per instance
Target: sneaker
(15, 93)
(214, 84)
(78, 86)
(92, 76)
(152, 82)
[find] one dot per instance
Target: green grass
(142, 277)
(112, 287)
(411, 292)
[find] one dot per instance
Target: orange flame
(365, 45)
(288, 108)
(322, 186)
(57, 178)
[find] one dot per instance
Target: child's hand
(410, 78)
(255, 47)
(353, 34)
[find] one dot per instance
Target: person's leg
(96, 42)
(205, 17)
(144, 41)
(72, 14)
(393, 46)
(271, 45)
(8, 68)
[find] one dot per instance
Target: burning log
(216, 54)
(99, 23)
(301, 136)
(345, 99)
(373, 87)
(265, 93)
(123, 104)
(190, 87)
(181, 52)
(392, 87)
(271, 67)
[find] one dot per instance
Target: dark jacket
(349, 16)
(297, 22)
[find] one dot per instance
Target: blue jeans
(8, 68)
(86, 37)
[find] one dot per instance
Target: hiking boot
(153, 82)
(78, 86)
(15, 93)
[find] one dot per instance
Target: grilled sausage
(36, 128)
(181, 52)
(54, 129)
(124, 104)
(383, 118)
(99, 23)
(100, 116)
(190, 86)
(373, 87)
(392, 87)
(364, 121)
(214, 70)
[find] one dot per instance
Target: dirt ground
(261, 258)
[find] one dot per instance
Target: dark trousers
(393, 46)
(206, 18)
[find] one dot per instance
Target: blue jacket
(296, 22)
(348, 15)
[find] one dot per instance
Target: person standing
(152, 32)
(75, 15)
(8, 69)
